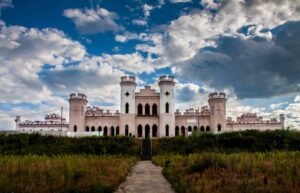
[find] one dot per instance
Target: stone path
(145, 177)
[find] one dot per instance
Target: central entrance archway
(147, 131)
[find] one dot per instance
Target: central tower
(127, 116)
(167, 105)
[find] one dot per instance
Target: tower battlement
(166, 79)
(128, 79)
(216, 95)
(78, 96)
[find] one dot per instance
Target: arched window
(219, 127)
(176, 131)
(99, 128)
(202, 128)
(147, 131)
(140, 109)
(207, 128)
(167, 130)
(147, 109)
(154, 131)
(140, 131)
(75, 128)
(93, 128)
(189, 129)
(117, 130)
(105, 131)
(183, 130)
(126, 130)
(195, 128)
(126, 108)
(87, 129)
(167, 107)
(112, 131)
(154, 109)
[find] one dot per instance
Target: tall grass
(272, 172)
(65, 174)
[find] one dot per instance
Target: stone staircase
(146, 149)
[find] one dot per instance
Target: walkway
(145, 178)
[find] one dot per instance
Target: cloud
(140, 22)
(179, 1)
(147, 10)
(254, 68)
(91, 21)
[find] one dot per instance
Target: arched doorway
(117, 131)
(154, 109)
(126, 130)
(183, 131)
(99, 128)
(140, 131)
(207, 128)
(112, 131)
(105, 131)
(154, 131)
(202, 128)
(75, 128)
(93, 128)
(87, 129)
(147, 131)
(176, 131)
(140, 109)
(195, 128)
(219, 127)
(189, 129)
(147, 109)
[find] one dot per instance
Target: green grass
(272, 172)
(63, 174)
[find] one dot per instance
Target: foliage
(23, 144)
(67, 174)
(272, 172)
(251, 141)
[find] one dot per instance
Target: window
(147, 109)
(112, 131)
(195, 128)
(167, 107)
(154, 131)
(126, 108)
(207, 128)
(99, 128)
(154, 109)
(126, 130)
(87, 129)
(93, 128)
(167, 130)
(183, 130)
(105, 131)
(75, 128)
(176, 131)
(117, 130)
(140, 109)
(219, 127)
(202, 128)
(140, 131)
(189, 129)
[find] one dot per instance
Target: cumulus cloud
(179, 1)
(90, 21)
(140, 22)
(254, 68)
(5, 4)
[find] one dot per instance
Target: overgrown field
(63, 174)
(250, 141)
(272, 172)
(23, 144)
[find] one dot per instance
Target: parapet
(78, 96)
(216, 95)
(166, 79)
(127, 79)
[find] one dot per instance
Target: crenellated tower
(167, 106)
(77, 104)
(127, 115)
(217, 105)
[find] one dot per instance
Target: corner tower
(77, 104)
(167, 106)
(127, 116)
(217, 105)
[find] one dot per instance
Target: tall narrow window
(207, 128)
(167, 107)
(87, 129)
(219, 127)
(147, 109)
(117, 130)
(99, 128)
(154, 109)
(140, 131)
(140, 109)
(127, 108)
(167, 130)
(112, 131)
(105, 131)
(126, 130)
(154, 131)
(176, 131)
(75, 128)
(93, 128)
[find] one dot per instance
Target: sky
(248, 49)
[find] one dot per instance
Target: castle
(148, 113)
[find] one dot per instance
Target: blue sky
(248, 49)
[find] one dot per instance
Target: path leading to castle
(145, 177)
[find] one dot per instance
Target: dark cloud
(185, 94)
(252, 67)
